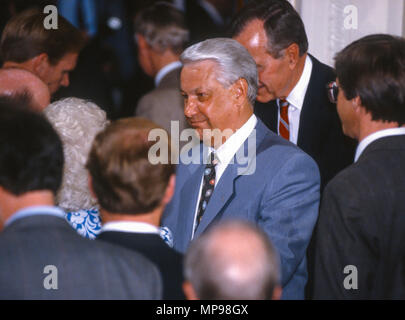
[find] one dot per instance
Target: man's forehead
(198, 71)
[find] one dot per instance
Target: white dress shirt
(130, 226)
(375, 136)
(296, 101)
(165, 70)
(225, 154)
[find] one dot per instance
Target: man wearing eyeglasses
(291, 98)
(359, 249)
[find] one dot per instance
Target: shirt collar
(165, 70)
(297, 95)
(35, 211)
(375, 136)
(130, 226)
(226, 151)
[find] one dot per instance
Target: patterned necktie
(207, 188)
(284, 124)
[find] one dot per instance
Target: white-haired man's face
(208, 105)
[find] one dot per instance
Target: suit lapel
(310, 118)
(225, 189)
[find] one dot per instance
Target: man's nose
(190, 107)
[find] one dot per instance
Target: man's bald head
(17, 81)
(234, 260)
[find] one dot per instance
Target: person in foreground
(242, 169)
(132, 191)
(359, 251)
(41, 256)
(232, 261)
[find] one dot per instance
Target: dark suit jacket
(362, 223)
(86, 269)
(169, 261)
(320, 133)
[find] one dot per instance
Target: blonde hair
(77, 122)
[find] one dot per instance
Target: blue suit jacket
(281, 196)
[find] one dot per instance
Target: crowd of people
(247, 170)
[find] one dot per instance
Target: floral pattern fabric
(86, 222)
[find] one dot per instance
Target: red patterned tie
(284, 124)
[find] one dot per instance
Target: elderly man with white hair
(241, 169)
(77, 122)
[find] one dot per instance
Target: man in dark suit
(359, 252)
(241, 169)
(41, 256)
(132, 190)
(161, 36)
(291, 98)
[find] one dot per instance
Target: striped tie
(284, 124)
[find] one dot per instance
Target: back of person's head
(18, 81)
(31, 154)
(77, 122)
(373, 68)
(125, 176)
(233, 60)
(25, 37)
(163, 27)
(282, 24)
(233, 260)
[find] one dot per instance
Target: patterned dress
(86, 222)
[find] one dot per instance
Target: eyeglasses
(333, 91)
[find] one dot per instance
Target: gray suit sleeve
(289, 213)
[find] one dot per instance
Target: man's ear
(141, 41)
(357, 105)
(240, 91)
(189, 291)
(292, 53)
(40, 64)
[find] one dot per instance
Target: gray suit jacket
(86, 269)
(165, 103)
(281, 195)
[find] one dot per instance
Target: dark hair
(123, 178)
(163, 27)
(282, 24)
(31, 154)
(25, 37)
(373, 68)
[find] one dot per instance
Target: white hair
(77, 122)
(234, 61)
